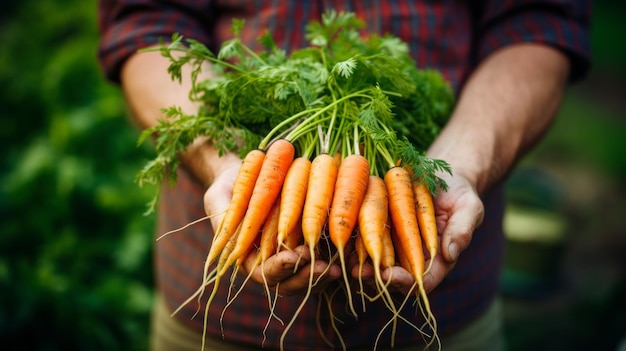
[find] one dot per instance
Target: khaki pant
(169, 334)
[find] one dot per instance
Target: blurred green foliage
(609, 51)
(578, 170)
(75, 250)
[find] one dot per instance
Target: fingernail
(453, 251)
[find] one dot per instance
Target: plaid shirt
(451, 36)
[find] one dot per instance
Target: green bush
(75, 250)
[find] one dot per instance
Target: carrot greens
(341, 79)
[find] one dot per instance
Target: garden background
(75, 247)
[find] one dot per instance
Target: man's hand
(459, 212)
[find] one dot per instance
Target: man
(509, 63)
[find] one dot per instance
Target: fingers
(218, 195)
(290, 270)
(437, 272)
(399, 279)
(459, 212)
(323, 274)
(281, 266)
(460, 227)
(396, 278)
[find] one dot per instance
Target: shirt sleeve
(558, 23)
(128, 25)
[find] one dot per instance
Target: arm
(126, 26)
(507, 104)
(148, 88)
(505, 107)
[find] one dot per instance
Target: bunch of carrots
(324, 153)
(389, 219)
(285, 196)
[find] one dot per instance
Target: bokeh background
(75, 247)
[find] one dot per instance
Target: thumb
(218, 196)
(460, 228)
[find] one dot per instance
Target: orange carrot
(242, 191)
(388, 259)
(403, 261)
(338, 157)
(224, 254)
(404, 218)
(426, 219)
(267, 246)
(266, 243)
(401, 257)
(361, 254)
(361, 251)
(373, 218)
(374, 226)
(293, 238)
(322, 176)
(350, 187)
(278, 158)
(292, 198)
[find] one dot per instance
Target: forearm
(505, 107)
(148, 88)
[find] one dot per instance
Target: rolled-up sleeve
(128, 25)
(558, 23)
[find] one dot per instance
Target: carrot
(426, 219)
(266, 189)
(338, 157)
(404, 218)
(359, 249)
(278, 158)
(350, 187)
(266, 247)
(225, 253)
(402, 258)
(242, 191)
(373, 219)
(294, 238)
(361, 254)
(388, 259)
(322, 176)
(268, 242)
(292, 198)
(400, 255)
(373, 216)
